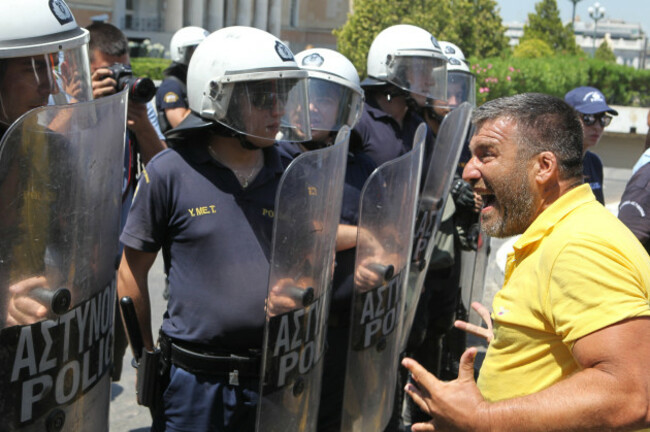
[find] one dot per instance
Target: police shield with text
(307, 211)
(384, 241)
(433, 198)
(60, 183)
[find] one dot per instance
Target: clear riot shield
(384, 241)
(433, 197)
(307, 212)
(60, 197)
(477, 269)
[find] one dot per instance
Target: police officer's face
(455, 94)
(323, 110)
(26, 84)
(261, 116)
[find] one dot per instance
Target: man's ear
(545, 167)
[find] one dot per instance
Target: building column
(119, 8)
(275, 17)
(173, 15)
(196, 12)
(245, 13)
(215, 15)
(261, 14)
(231, 12)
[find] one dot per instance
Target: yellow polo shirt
(575, 270)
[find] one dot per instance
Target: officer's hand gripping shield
(60, 199)
(307, 212)
(435, 190)
(384, 241)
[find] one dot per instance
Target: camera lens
(141, 90)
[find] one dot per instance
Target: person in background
(108, 46)
(594, 114)
(566, 353)
(634, 207)
(171, 96)
(336, 100)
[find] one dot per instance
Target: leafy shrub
(622, 85)
(149, 67)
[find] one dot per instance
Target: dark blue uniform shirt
(171, 94)
(383, 139)
(216, 239)
(592, 169)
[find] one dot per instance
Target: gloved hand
(462, 193)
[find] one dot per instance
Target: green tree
(477, 25)
(545, 24)
(474, 25)
(605, 53)
(532, 48)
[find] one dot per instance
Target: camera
(141, 90)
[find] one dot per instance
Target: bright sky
(631, 11)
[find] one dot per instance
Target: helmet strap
(245, 143)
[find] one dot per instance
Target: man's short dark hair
(544, 123)
(107, 39)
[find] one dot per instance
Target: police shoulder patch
(170, 97)
(61, 11)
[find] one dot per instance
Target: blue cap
(588, 100)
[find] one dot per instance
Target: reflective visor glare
(460, 88)
(332, 105)
(271, 109)
(426, 76)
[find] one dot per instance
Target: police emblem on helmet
(314, 59)
(434, 41)
(283, 51)
(450, 50)
(454, 61)
(61, 11)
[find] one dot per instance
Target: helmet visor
(332, 105)
(419, 75)
(29, 82)
(271, 109)
(460, 88)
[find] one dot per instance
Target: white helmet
(461, 83)
(184, 43)
(53, 54)
(238, 72)
(335, 96)
(410, 58)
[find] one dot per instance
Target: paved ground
(127, 416)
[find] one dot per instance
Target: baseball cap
(588, 100)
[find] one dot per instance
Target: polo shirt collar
(272, 160)
(553, 214)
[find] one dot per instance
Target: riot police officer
(55, 251)
(171, 96)
(208, 203)
(432, 333)
(335, 100)
(404, 63)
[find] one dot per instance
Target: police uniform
(634, 208)
(172, 93)
(592, 169)
(383, 139)
(216, 238)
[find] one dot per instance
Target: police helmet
(410, 58)
(184, 42)
(240, 72)
(51, 51)
(461, 83)
(335, 96)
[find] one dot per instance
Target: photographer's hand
(103, 83)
